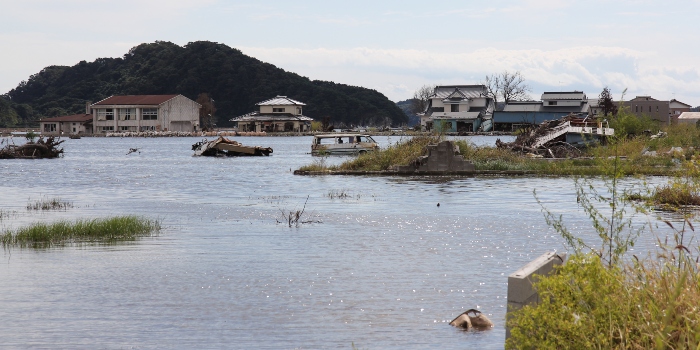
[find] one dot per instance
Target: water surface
(381, 266)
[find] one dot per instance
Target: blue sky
(647, 47)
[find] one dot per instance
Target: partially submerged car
(343, 144)
(224, 147)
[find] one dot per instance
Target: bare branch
(421, 98)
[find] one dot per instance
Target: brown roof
(135, 100)
(69, 118)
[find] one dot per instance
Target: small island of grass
(632, 152)
(114, 229)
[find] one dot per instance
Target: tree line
(233, 84)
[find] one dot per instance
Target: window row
(127, 113)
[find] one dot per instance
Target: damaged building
(458, 108)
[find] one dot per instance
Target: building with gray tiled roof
(457, 108)
(277, 114)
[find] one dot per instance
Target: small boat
(342, 143)
(223, 147)
(74, 136)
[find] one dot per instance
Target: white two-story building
(277, 114)
(457, 108)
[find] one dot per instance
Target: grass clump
(119, 228)
(49, 204)
(400, 153)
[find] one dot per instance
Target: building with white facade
(277, 114)
(135, 113)
(457, 108)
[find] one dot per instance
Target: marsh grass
(340, 194)
(627, 150)
(402, 152)
(49, 204)
(114, 229)
(294, 218)
(5, 214)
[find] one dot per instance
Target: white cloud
(587, 68)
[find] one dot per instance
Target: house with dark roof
(277, 114)
(457, 108)
(76, 124)
(553, 105)
(135, 113)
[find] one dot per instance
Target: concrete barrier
(520, 289)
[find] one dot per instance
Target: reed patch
(103, 230)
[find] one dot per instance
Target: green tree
(606, 103)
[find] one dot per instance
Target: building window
(49, 127)
(551, 103)
(454, 108)
(73, 129)
(278, 110)
(657, 109)
(148, 128)
(649, 109)
(107, 128)
(149, 114)
(127, 113)
(635, 109)
(105, 114)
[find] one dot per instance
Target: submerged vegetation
(49, 204)
(114, 229)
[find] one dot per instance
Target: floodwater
(379, 266)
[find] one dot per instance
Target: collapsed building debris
(224, 147)
(33, 150)
(559, 138)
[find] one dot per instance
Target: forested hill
(235, 81)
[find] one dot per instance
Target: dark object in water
(477, 321)
(74, 136)
(33, 150)
(230, 148)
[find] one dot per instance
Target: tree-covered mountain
(407, 108)
(235, 81)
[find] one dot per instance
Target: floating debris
(223, 147)
(477, 321)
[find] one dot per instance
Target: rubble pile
(527, 141)
(33, 150)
